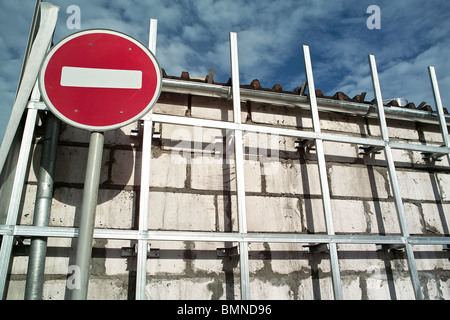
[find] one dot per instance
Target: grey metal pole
(239, 158)
(394, 180)
(41, 217)
(439, 108)
(326, 200)
(86, 230)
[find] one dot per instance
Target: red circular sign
(100, 80)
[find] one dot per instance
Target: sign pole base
(86, 229)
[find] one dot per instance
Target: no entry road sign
(100, 80)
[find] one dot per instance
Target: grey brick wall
(193, 189)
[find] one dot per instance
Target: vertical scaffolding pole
(41, 217)
(141, 268)
(239, 163)
(326, 202)
(439, 108)
(17, 189)
(141, 272)
(394, 181)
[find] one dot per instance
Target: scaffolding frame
(143, 235)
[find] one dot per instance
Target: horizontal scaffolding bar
(307, 135)
(120, 234)
(262, 129)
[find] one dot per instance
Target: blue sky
(193, 36)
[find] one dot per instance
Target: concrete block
(397, 129)
(431, 133)
(417, 185)
(189, 139)
(280, 116)
(181, 211)
(114, 264)
(61, 252)
(313, 218)
(108, 289)
(285, 259)
(403, 289)
(342, 123)
(227, 218)
(171, 260)
(70, 164)
(436, 218)
(120, 136)
(444, 185)
(431, 259)
(125, 169)
(123, 136)
(292, 178)
(184, 289)
(28, 204)
(443, 289)
(267, 214)
(382, 217)
(404, 158)
(15, 289)
(172, 104)
(434, 289)
(413, 218)
(378, 287)
(205, 259)
(69, 134)
(265, 289)
(348, 216)
(269, 147)
(351, 289)
(365, 182)
(166, 170)
(35, 155)
(340, 152)
(215, 109)
(320, 288)
(213, 174)
(55, 290)
(19, 265)
(363, 258)
(349, 154)
(66, 206)
(115, 208)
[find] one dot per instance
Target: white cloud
(174, 55)
(404, 78)
(15, 20)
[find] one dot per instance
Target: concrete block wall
(193, 188)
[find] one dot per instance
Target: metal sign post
(98, 80)
(88, 208)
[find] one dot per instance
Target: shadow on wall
(70, 168)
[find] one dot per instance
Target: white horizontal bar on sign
(101, 78)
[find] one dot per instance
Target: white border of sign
(55, 111)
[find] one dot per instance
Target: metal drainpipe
(44, 195)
